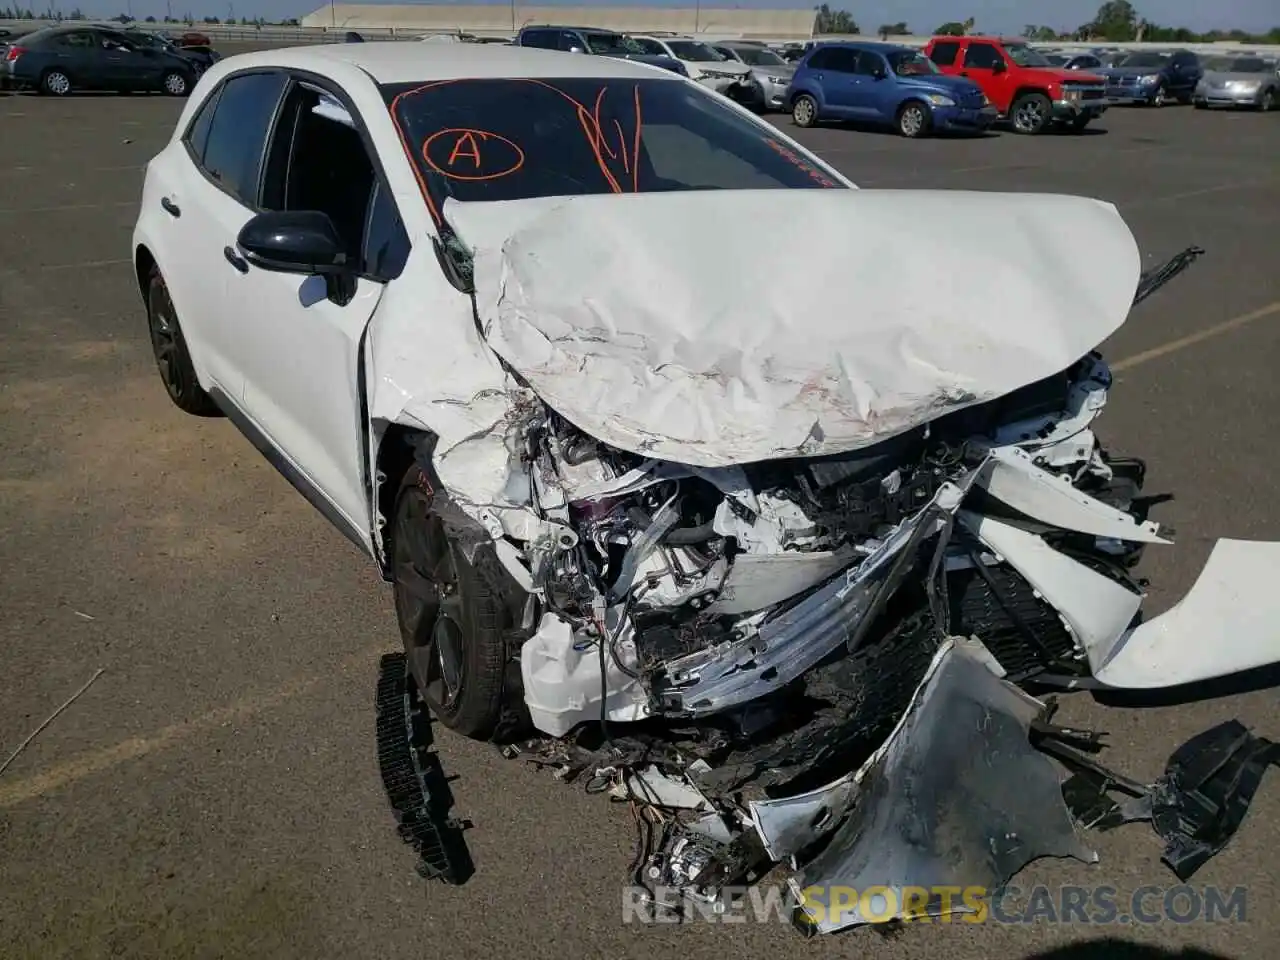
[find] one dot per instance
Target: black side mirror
(879, 73)
(294, 241)
(998, 67)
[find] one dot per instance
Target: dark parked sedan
(58, 60)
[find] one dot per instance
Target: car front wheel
(452, 621)
(173, 358)
(1030, 113)
(913, 119)
(804, 111)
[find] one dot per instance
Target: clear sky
(921, 15)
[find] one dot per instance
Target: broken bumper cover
(957, 797)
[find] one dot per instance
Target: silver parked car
(1239, 81)
(770, 74)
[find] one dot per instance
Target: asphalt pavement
(215, 792)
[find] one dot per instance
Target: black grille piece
(413, 778)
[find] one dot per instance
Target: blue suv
(882, 83)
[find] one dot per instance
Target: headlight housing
(1150, 78)
(781, 81)
(938, 100)
(1244, 86)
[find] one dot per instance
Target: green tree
(835, 21)
(1040, 34)
(898, 29)
(952, 28)
(1116, 21)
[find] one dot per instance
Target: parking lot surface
(215, 793)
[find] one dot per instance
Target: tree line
(1117, 21)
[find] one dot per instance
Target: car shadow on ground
(885, 130)
(1249, 681)
(1115, 949)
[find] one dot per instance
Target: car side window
(843, 61)
(944, 53)
(237, 135)
(819, 60)
(544, 39)
(386, 242)
(318, 161)
(868, 63)
(568, 40)
(198, 133)
(981, 56)
(80, 40)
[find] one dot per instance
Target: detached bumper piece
(414, 780)
(1195, 807)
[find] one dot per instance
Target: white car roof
(397, 62)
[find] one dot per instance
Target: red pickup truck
(1029, 91)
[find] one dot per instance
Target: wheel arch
(1028, 88)
(144, 262)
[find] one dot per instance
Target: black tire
(452, 622)
(1268, 101)
(1030, 113)
(175, 83)
(913, 120)
(804, 111)
(55, 83)
(1160, 97)
(173, 358)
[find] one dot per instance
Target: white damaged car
(753, 547)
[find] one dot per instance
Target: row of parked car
(61, 59)
(954, 83)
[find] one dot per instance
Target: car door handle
(237, 261)
(171, 208)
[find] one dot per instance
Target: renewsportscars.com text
(1095, 905)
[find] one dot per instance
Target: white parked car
(705, 64)
(702, 517)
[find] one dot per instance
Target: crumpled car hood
(659, 324)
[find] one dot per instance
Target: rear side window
(982, 56)
(544, 39)
(198, 133)
(237, 135)
(820, 60)
(843, 60)
(944, 53)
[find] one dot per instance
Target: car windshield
(910, 63)
(693, 51)
(147, 40)
(759, 57)
(1239, 65)
(515, 139)
(1025, 56)
(1144, 60)
(604, 44)
(1056, 59)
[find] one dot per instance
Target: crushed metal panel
(960, 798)
(655, 322)
(1228, 622)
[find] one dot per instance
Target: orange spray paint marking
(501, 157)
(465, 146)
